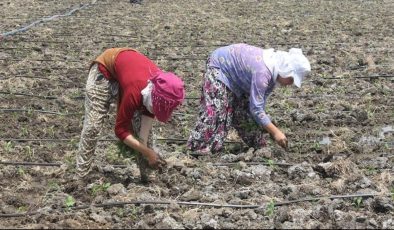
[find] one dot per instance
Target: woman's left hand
(281, 139)
(283, 143)
(278, 135)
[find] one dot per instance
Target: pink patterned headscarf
(168, 92)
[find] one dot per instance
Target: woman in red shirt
(144, 92)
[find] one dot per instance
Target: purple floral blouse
(244, 72)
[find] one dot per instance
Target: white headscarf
(146, 96)
(287, 64)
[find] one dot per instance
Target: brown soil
(344, 40)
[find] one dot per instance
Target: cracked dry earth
(339, 124)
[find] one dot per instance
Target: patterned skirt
(220, 110)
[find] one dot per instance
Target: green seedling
(53, 185)
(370, 113)
(125, 151)
(106, 186)
(24, 131)
(316, 146)
(194, 94)
(120, 212)
(75, 93)
(270, 162)
(69, 202)
(268, 110)
(51, 131)
(357, 201)
(29, 111)
(30, 151)
(286, 91)
(286, 105)
(14, 115)
(21, 171)
(178, 148)
(320, 108)
(270, 209)
(51, 145)
(369, 108)
(74, 143)
(97, 188)
(22, 208)
(70, 160)
(371, 170)
(134, 213)
(238, 166)
(8, 146)
(185, 130)
(112, 153)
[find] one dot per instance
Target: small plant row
(66, 114)
(269, 207)
(269, 162)
(345, 95)
(265, 161)
(45, 19)
(59, 40)
(157, 139)
(167, 58)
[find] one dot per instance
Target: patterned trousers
(100, 93)
(220, 109)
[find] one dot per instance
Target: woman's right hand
(281, 139)
(155, 161)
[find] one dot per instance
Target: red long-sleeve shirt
(133, 70)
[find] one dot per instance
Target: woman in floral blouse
(237, 82)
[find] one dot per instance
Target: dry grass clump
(343, 168)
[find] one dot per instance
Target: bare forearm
(137, 145)
(271, 129)
(141, 146)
